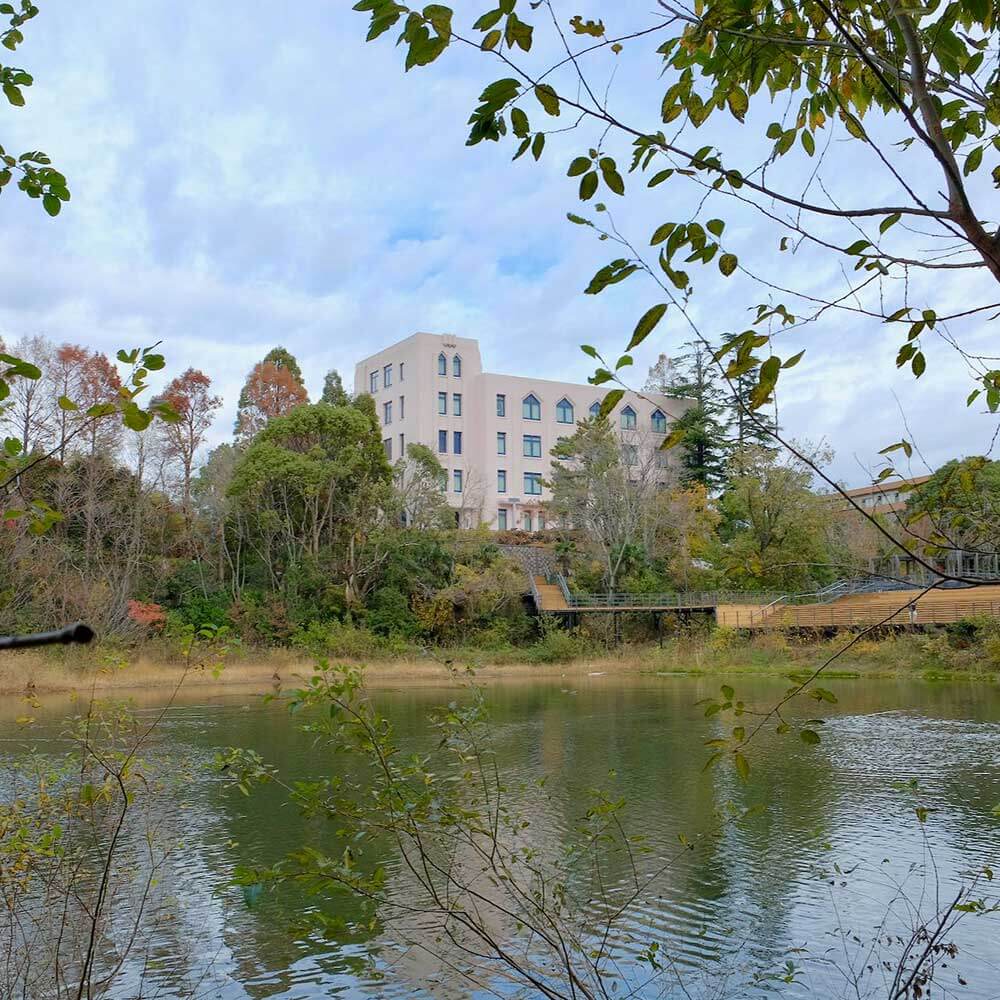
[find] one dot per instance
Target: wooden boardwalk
(889, 607)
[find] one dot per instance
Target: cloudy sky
(251, 174)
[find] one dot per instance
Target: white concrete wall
(479, 423)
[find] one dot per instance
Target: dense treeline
(298, 530)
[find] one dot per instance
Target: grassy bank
(959, 653)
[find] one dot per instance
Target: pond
(835, 853)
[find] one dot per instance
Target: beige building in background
(493, 433)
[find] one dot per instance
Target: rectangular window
(442, 403)
(402, 407)
(501, 405)
(387, 376)
(631, 454)
(387, 444)
(457, 443)
(458, 480)
(373, 382)
(533, 484)
(443, 442)
(541, 522)
(401, 363)
(526, 521)
(402, 446)
(387, 412)
(501, 480)
(532, 446)
(501, 442)
(502, 519)
(662, 459)
(444, 480)
(456, 404)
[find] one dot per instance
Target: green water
(821, 864)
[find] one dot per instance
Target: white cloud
(244, 181)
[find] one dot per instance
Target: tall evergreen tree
(334, 392)
(705, 445)
(280, 357)
(749, 432)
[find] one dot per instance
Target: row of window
(531, 409)
(387, 410)
(527, 522)
(386, 377)
(532, 483)
(456, 448)
(456, 365)
(456, 404)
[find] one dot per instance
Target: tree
(775, 528)
(271, 390)
(313, 488)
(417, 478)
(27, 410)
(902, 95)
(959, 506)
(282, 358)
(189, 395)
(334, 392)
(603, 488)
(693, 376)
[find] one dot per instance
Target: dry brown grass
(41, 673)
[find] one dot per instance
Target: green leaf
(794, 359)
(548, 98)
(715, 226)
(611, 400)
(537, 145)
(579, 166)
(14, 95)
(646, 324)
(660, 177)
(51, 204)
(154, 362)
(738, 102)
(611, 176)
(623, 361)
(662, 232)
(591, 352)
(519, 122)
(857, 246)
(887, 223)
(490, 40)
(65, 403)
(742, 766)
(727, 263)
(809, 736)
(808, 142)
(577, 219)
(918, 364)
(972, 161)
(588, 185)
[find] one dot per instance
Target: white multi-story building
(493, 433)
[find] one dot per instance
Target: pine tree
(334, 392)
(705, 445)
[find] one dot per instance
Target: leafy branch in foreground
(906, 94)
(38, 178)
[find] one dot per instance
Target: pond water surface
(805, 880)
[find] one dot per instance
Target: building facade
(493, 433)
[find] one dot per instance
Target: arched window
(442, 365)
(564, 411)
(659, 422)
(456, 366)
(595, 410)
(628, 419)
(531, 409)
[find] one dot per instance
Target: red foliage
(148, 614)
(269, 392)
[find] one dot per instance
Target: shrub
(557, 645)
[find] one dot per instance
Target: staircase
(549, 596)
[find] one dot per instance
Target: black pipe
(72, 633)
